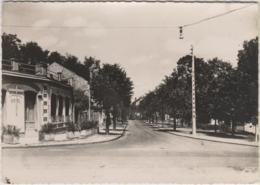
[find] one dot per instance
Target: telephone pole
(89, 97)
(193, 92)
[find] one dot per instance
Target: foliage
(10, 46)
(223, 93)
(47, 128)
(71, 127)
(32, 53)
(10, 130)
(112, 90)
(81, 100)
(248, 79)
(88, 125)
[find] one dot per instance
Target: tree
(112, 89)
(32, 53)
(10, 46)
(56, 57)
(173, 97)
(248, 73)
(218, 72)
(91, 63)
(80, 102)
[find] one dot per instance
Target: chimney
(15, 65)
(70, 81)
(41, 69)
(59, 76)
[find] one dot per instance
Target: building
(32, 97)
(77, 81)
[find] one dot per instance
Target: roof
(33, 77)
(69, 70)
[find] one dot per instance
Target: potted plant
(47, 132)
(10, 134)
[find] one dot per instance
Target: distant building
(32, 97)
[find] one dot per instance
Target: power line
(215, 16)
(89, 27)
(128, 27)
(142, 1)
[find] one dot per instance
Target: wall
(78, 81)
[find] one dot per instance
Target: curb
(205, 139)
(211, 140)
(66, 144)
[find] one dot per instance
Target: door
(40, 112)
(15, 108)
(30, 113)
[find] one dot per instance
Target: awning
(18, 86)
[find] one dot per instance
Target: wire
(215, 16)
(128, 27)
(88, 27)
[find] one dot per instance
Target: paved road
(142, 155)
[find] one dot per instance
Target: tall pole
(193, 93)
(89, 97)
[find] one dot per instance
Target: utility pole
(89, 97)
(193, 92)
(192, 84)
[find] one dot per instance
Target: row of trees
(111, 88)
(223, 93)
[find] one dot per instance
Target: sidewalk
(208, 135)
(93, 139)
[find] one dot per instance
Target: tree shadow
(119, 129)
(223, 135)
(104, 133)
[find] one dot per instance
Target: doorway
(30, 113)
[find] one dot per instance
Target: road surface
(141, 156)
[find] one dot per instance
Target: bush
(88, 125)
(71, 127)
(47, 128)
(10, 130)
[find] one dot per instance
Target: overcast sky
(142, 37)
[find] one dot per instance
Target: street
(141, 156)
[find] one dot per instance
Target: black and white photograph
(129, 92)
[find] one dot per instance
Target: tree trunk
(108, 122)
(215, 126)
(182, 123)
(174, 123)
(114, 122)
(233, 127)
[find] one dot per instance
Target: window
(53, 104)
(67, 106)
(60, 105)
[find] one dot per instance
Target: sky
(142, 37)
